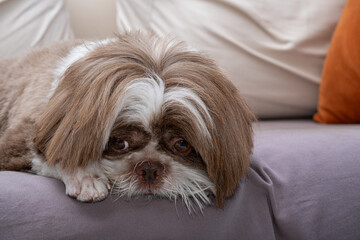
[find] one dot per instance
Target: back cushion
(31, 23)
(272, 50)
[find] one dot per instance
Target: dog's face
(159, 117)
(155, 142)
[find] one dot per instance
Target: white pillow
(272, 50)
(31, 23)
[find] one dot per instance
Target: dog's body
(144, 114)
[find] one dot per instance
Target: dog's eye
(119, 145)
(182, 147)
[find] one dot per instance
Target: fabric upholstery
(31, 23)
(299, 187)
(273, 50)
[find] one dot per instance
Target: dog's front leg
(16, 146)
(86, 184)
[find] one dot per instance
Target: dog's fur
(64, 108)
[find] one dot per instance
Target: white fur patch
(74, 55)
(143, 100)
(40, 167)
(189, 99)
(84, 184)
(188, 183)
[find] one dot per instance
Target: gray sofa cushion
(304, 183)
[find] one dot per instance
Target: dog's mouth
(151, 179)
(192, 195)
(150, 189)
(135, 185)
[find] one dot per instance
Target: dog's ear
(233, 148)
(74, 127)
(227, 159)
(232, 145)
(226, 153)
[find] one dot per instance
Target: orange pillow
(339, 94)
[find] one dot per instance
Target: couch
(304, 178)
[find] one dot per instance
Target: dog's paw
(86, 186)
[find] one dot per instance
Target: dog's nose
(150, 171)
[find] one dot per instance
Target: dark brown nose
(150, 171)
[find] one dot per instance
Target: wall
(92, 18)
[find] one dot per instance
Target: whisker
(113, 185)
(188, 185)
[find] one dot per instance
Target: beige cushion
(31, 23)
(272, 50)
(92, 19)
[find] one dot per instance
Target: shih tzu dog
(135, 115)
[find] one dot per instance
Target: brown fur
(23, 84)
(71, 127)
(16, 146)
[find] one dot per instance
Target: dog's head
(159, 117)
